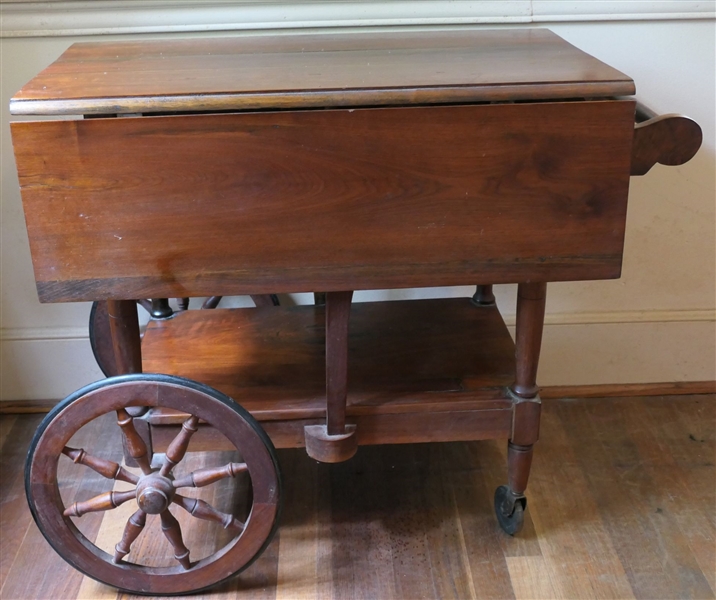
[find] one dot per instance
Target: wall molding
(577, 318)
(109, 17)
(33, 334)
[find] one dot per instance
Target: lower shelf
(422, 370)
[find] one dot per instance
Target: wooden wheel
(101, 339)
(153, 490)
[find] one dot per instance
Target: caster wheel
(510, 510)
(160, 498)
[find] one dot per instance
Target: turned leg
(319, 298)
(483, 296)
(510, 500)
(126, 342)
(161, 309)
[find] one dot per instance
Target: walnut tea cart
(315, 163)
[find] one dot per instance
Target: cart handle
(665, 139)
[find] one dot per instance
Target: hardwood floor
(622, 504)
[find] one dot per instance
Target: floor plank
(593, 569)
(15, 517)
(636, 508)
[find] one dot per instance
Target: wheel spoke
(203, 477)
(172, 531)
(132, 529)
(106, 468)
(106, 501)
(203, 510)
(136, 447)
(177, 449)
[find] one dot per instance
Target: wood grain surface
(325, 200)
(621, 504)
(667, 139)
(403, 357)
(317, 70)
(552, 392)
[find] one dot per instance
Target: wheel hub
(154, 493)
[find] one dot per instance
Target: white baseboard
(635, 349)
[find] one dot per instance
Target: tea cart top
(301, 71)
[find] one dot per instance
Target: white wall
(654, 324)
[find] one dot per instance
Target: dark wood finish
(132, 529)
(106, 468)
(483, 295)
(317, 70)
(100, 334)
(338, 310)
(205, 477)
(134, 444)
(330, 447)
(124, 332)
(177, 449)
(519, 461)
(531, 299)
(103, 502)
(265, 300)
(319, 298)
(401, 197)
(509, 501)
(666, 139)
(633, 516)
(525, 423)
(211, 302)
(407, 356)
(549, 392)
(100, 337)
(196, 507)
(154, 491)
(372, 429)
(160, 308)
(172, 531)
(527, 183)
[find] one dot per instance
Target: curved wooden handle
(667, 139)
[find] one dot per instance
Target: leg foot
(510, 509)
(510, 501)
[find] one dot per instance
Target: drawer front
(227, 204)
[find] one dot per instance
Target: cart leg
(126, 342)
(161, 309)
(335, 441)
(124, 328)
(319, 298)
(510, 500)
(483, 296)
